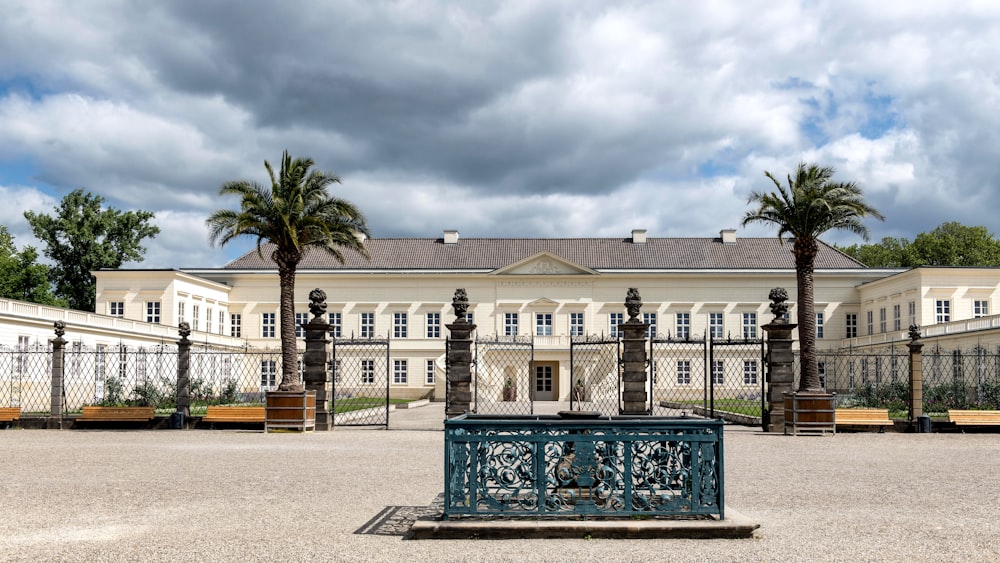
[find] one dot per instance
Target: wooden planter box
(290, 411)
(810, 412)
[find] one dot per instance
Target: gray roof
(593, 253)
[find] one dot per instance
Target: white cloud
(516, 118)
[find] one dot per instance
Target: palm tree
(295, 215)
(809, 206)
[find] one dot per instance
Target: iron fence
(872, 378)
(26, 377)
(503, 381)
(709, 375)
(595, 368)
(961, 379)
(359, 375)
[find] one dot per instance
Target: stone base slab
(734, 526)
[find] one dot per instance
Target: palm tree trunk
(289, 350)
(805, 257)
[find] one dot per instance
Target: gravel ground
(218, 495)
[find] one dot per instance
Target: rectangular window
(649, 319)
(222, 322)
(368, 371)
(181, 314)
(335, 371)
(851, 325)
(576, 324)
(870, 323)
(268, 373)
(116, 308)
(683, 372)
(267, 325)
(433, 325)
(301, 319)
(510, 324)
(942, 311)
(367, 325)
(715, 328)
(881, 319)
(897, 319)
(399, 325)
(911, 309)
(153, 312)
(236, 325)
(208, 319)
(821, 367)
(336, 324)
(749, 325)
(429, 373)
(684, 325)
(399, 372)
(99, 365)
(749, 372)
(140, 364)
(718, 373)
(469, 318)
(543, 324)
(819, 325)
(616, 320)
(194, 317)
(980, 308)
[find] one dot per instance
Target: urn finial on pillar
(460, 303)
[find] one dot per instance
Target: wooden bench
(117, 414)
(10, 414)
(234, 414)
(863, 417)
(974, 418)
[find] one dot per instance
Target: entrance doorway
(544, 385)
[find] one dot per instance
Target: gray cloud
(536, 118)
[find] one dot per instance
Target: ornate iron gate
(502, 380)
(737, 382)
(360, 375)
(595, 374)
(706, 376)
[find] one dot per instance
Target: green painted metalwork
(608, 466)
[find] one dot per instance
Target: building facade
(549, 290)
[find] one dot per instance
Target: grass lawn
(358, 403)
(738, 406)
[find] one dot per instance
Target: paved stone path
(346, 495)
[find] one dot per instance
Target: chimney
(451, 237)
(360, 236)
(638, 236)
(728, 236)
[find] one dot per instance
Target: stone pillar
(635, 398)
(780, 372)
(459, 359)
(316, 359)
(184, 371)
(916, 374)
(58, 371)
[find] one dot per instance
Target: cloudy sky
(510, 118)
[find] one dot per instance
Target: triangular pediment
(544, 264)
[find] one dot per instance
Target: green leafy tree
(809, 206)
(950, 244)
(21, 276)
(890, 252)
(296, 214)
(84, 236)
(954, 244)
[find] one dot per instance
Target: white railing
(83, 319)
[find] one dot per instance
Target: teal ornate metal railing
(607, 466)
